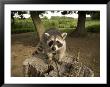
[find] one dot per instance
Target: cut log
(37, 66)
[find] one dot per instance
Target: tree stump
(38, 66)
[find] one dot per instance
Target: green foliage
(66, 24)
(93, 28)
(67, 30)
(22, 25)
(59, 22)
(95, 15)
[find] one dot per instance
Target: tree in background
(95, 15)
(37, 22)
(20, 13)
(39, 27)
(81, 23)
(35, 18)
(80, 29)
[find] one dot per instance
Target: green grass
(92, 23)
(93, 26)
(65, 25)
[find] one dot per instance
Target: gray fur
(44, 47)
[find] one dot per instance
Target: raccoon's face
(56, 42)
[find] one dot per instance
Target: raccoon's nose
(53, 48)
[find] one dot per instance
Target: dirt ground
(22, 46)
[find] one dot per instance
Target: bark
(38, 66)
(81, 23)
(37, 23)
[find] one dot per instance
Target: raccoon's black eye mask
(59, 44)
(50, 43)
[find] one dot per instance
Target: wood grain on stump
(37, 66)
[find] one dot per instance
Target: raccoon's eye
(57, 41)
(50, 43)
(59, 44)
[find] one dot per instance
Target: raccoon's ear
(47, 34)
(64, 35)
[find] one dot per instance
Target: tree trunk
(37, 23)
(81, 23)
(37, 66)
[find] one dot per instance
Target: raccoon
(52, 43)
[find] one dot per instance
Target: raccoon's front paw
(50, 68)
(35, 52)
